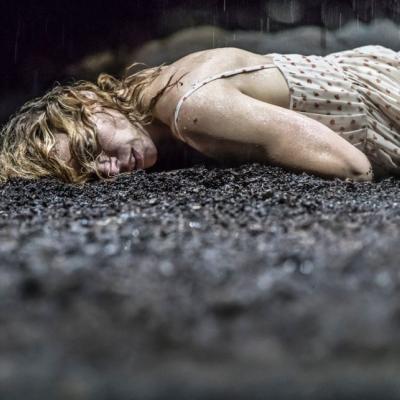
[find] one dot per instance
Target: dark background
(196, 283)
(40, 38)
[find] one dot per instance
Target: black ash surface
(201, 283)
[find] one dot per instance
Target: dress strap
(198, 84)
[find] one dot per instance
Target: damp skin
(287, 138)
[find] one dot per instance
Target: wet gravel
(201, 283)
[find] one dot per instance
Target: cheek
(106, 135)
(148, 142)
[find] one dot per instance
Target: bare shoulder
(196, 67)
(227, 54)
(202, 64)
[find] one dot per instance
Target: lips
(139, 159)
(132, 162)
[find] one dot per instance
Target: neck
(159, 133)
(158, 129)
(151, 89)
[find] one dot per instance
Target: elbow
(361, 177)
(360, 171)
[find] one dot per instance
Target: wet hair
(27, 141)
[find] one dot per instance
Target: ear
(94, 99)
(61, 147)
(62, 150)
(90, 95)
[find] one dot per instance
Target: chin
(151, 157)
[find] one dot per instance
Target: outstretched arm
(288, 139)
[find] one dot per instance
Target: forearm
(307, 145)
(324, 164)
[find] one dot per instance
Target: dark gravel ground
(201, 283)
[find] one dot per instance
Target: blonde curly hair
(27, 141)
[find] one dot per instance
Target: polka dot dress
(354, 92)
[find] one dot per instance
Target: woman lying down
(336, 116)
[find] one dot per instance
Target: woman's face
(124, 147)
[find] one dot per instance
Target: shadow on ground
(201, 283)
